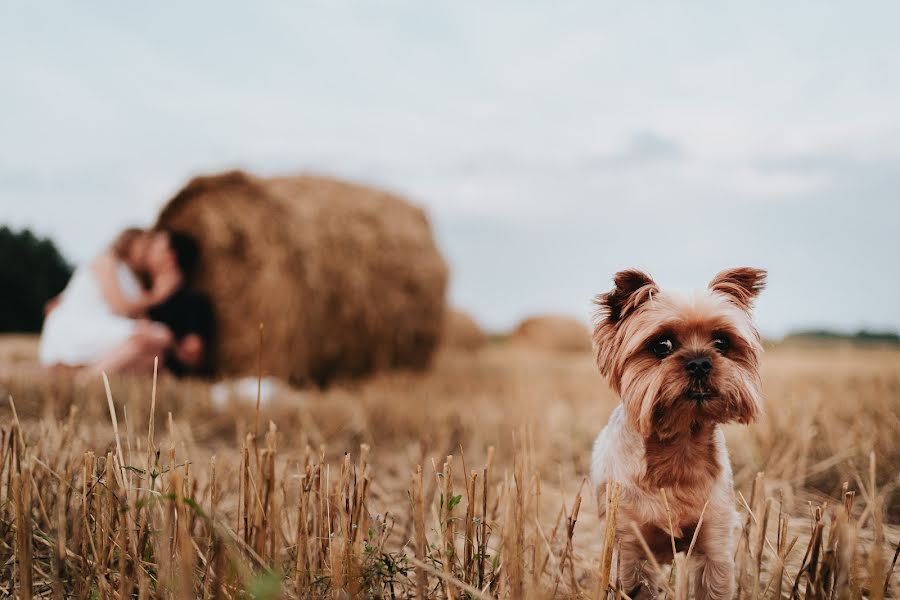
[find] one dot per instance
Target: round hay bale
(462, 332)
(346, 279)
(556, 333)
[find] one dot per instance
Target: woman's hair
(122, 244)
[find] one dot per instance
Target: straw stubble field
(466, 481)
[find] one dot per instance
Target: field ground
(327, 498)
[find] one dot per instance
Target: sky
(551, 143)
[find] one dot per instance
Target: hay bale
(462, 332)
(347, 279)
(556, 333)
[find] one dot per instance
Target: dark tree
(31, 272)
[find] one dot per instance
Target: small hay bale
(557, 333)
(462, 332)
(346, 279)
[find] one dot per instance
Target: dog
(682, 366)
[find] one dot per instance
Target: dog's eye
(662, 347)
(721, 344)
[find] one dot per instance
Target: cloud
(646, 146)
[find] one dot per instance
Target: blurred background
(550, 145)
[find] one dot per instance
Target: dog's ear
(632, 288)
(741, 285)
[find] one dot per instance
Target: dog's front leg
(638, 577)
(715, 578)
(713, 568)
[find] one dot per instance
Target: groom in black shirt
(189, 316)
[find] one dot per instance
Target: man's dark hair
(187, 252)
(187, 311)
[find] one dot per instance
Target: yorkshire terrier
(682, 367)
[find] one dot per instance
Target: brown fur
(686, 462)
(682, 367)
(630, 319)
(660, 541)
(742, 284)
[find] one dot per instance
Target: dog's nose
(699, 367)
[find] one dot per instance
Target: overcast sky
(552, 143)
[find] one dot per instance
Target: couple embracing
(130, 304)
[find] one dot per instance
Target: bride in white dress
(98, 319)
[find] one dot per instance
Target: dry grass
(463, 482)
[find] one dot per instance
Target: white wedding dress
(82, 328)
